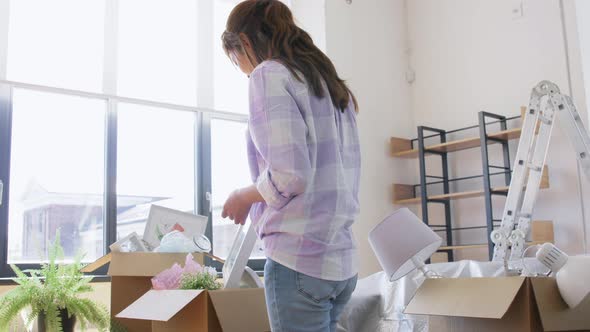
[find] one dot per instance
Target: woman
(305, 163)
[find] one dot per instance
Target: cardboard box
(497, 304)
(143, 309)
(131, 275)
(228, 310)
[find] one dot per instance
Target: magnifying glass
(202, 243)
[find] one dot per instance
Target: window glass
(155, 164)
(57, 43)
(229, 165)
(56, 175)
(230, 85)
(157, 50)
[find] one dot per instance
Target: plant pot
(67, 323)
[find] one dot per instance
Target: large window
(228, 148)
(56, 178)
(156, 162)
(115, 106)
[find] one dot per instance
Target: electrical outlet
(517, 10)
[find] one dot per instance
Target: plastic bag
(176, 241)
(170, 278)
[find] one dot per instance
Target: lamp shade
(401, 239)
(571, 273)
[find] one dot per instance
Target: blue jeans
(300, 303)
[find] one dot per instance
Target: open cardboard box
(131, 275)
(229, 310)
(497, 304)
(143, 309)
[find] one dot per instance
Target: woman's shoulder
(271, 66)
(271, 72)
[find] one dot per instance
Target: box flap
(97, 264)
(146, 264)
(554, 312)
(465, 297)
(241, 309)
(159, 305)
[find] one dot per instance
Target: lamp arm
(429, 274)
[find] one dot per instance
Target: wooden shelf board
(452, 196)
(475, 246)
(468, 246)
(460, 195)
(406, 154)
(462, 144)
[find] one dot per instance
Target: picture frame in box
(162, 220)
(237, 259)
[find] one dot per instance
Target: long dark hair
(273, 34)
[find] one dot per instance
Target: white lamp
(402, 242)
(572, 273)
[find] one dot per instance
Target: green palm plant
(51, 289)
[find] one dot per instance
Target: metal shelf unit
(442, 149)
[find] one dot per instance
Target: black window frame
(256, 264)
(202, 131)
(203, 174)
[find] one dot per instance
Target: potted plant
(52, 295)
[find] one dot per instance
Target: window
(56, 178)
(56, 43)
(228, 149)
(230, 85)
(114, 106)
(157, 50)
(156, 157)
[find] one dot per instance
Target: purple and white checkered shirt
(304, 157)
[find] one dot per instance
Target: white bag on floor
(378, 304)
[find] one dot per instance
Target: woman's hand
(237, 206)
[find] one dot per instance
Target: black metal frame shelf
(445, 198)
(488, 192)
(501, 119)
(445, 179)
(458, 179)
(405, 148)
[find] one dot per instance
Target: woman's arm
(279, 133)
(239, 202)
(251, 194)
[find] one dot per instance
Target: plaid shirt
(304, 157)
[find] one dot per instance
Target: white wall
(473, 55)
(468, 55)
(366, 42)
(310, 15)
(577, 21)
(583, 32)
